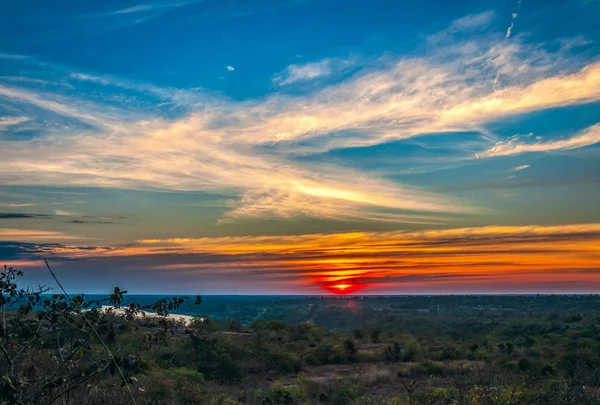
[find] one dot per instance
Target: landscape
(299, 202)
(467, 349)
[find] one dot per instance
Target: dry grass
(377, 376)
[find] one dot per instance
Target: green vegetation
(380, 350)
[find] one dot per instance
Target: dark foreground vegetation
(476, 350)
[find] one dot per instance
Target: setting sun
(343, 286)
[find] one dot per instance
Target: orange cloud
(454, 257)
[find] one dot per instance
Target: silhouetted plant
(69, 336)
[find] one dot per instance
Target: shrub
(450, 353)
(479, 395)
(359, 334)
(444, 396)
(186, 374)
(346, 392)
(284, 361)
(393, 352)
(280, 394)
(524, 365)
(411, 351)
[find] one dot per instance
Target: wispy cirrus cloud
(555, 91)
(50, 104)
(466, 24)
(13, 56)
(6, 122)
(137, 13)
(418, 96)
(247, 147)
(136, 9)
(63, 213)
(96, 79)
(472, 21)
(310, 71)
(515, 145)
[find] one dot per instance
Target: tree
(375, 334)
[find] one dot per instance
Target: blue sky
(217, 147)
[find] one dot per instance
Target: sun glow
(340, 287)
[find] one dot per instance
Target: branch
(58, 348)
(65, 361)
(5, 352)
(72, 387)
(32, 341)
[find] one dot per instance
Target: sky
(302, 147)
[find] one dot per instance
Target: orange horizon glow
(551, 257)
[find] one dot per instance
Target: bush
(500, 396)
(346, 393)
(374, 335)
(280, 394)
(359, 334)
(429, 368)
(186, 374)
(411, 351)
(284, 361)
(393, 352)
(450, 353)
(444, 396)
(524, 365)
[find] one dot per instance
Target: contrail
(507, 36)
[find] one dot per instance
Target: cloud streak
(143, 12)
(14, 234)
(20, 215)
(472, 21)
(6, 122)
(298, 73)
(515, 145)
(311, 71)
